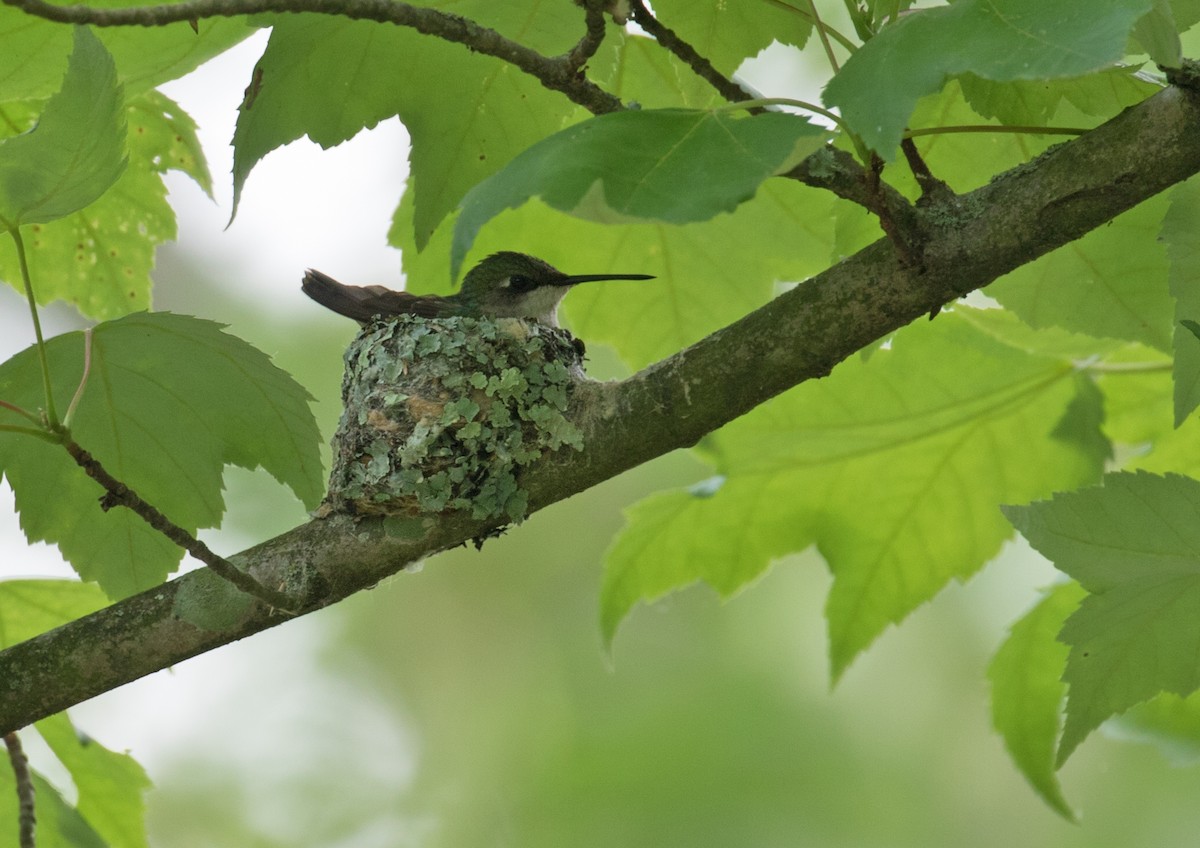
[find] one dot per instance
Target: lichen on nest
(441, 414)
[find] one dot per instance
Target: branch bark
(968, 241)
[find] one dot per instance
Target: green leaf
(1028, 693)
(1170, 723)
(728, 34)
(1134, 544)
(30, 607)
(1029, 102)
(329, 78)
(59, 825)
(100, 258)
(170, 401)
(643, 164)
(880, 84)
(1181, 234)
(77, 149)
(163, 137)
(894, 466)
(707, 274)
(1048, 341)
(1158, 35)
(639, 71)
(676, 538)
(1110, 283)
(35, 51)
(110, 785)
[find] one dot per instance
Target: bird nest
(443, 413)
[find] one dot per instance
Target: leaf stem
(37, 432)
(819, 25)
(24, 413)
(51, 415)
(87, 369)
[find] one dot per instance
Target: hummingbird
(504, 285)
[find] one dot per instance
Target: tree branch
(556, 73)
(970, 241)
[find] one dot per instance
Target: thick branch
(971, 240)
(556, 73)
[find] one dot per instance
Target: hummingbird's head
(514, 285)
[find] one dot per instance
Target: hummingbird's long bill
(595, 278)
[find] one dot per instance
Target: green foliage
(1134, 544)
(491, 110)
(910, 460)
(893, 468)
(109, 785)
(629, 165)
(30, 607)
(99, 258)
(878, 87)
(1182, 239)
(1028, 692)
(169, 401)
(109, 808)
(728, 34)
(35, 51)
(1110, 283)
(75, 152)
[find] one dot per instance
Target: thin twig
(118, 494)
(593, 15)
(703, 68)
(26, 797)
(557, 74)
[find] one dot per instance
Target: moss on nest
(442, 414)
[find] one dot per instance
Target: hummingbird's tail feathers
(363, 303)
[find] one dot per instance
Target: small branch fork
(27, 813)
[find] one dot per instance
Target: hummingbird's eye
(521, 283)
